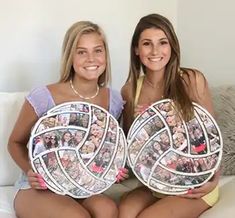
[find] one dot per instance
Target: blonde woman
(85, 74)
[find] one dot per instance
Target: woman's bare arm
(17, 144)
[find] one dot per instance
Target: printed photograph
(48, 122)
(170, 178)
(157, 186)
(52, 166)
(165, 108)
(118, 160)
(102, 159)
(49, 183)
(75, 171)
(197, 138)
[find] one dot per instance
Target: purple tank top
(41, 100)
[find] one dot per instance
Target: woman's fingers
(36, 181)
(123, 174)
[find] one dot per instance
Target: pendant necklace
(152, 86)
(81, 96)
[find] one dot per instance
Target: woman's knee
(74, 212)
(110, 208)
(124, 206)
(128, 209)
(101, 206)
(47, 204)
(106, 207)
(134, 202)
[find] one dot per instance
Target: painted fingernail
(40, 179)
(190, 191)
(39, 176)
(43, 185)
(41, 182)
(118, 177)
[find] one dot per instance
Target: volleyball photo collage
(78, 148)
(170, 155)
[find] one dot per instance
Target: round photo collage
(78, 148)
(170, 155)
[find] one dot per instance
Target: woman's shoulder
(40, 98)
(126, 91)
(57, 88)
(44, 88)
(38, 90)
(192, 76)
(38, 93)
(196, 83)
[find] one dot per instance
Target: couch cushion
(10, 104)
(6, 201)
(224, 105)
(225, 207)
(6, 215)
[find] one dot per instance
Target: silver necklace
(81, 96)
(150, 84)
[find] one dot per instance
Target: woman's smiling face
(89, 60)
(153, 49)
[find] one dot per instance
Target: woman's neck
(155, 80)
(84, 88)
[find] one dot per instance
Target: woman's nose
(90, 57)
(155, 49)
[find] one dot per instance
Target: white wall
(207, 35)
(31, 34)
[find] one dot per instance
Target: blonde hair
(71, 38)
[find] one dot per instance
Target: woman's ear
(136, 51)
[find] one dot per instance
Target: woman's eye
(98, 50)
(81, 52)
(146, 43)
(164, 42)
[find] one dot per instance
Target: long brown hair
(174, 83)
(71, 38)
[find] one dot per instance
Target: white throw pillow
(10, 104)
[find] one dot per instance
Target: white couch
(9, 109)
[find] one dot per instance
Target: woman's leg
(33, 203)
(177, 207)
(135, 201)
(101, 206)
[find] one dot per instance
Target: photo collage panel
(166, 150)
(78, 148)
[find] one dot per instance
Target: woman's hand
(35, 180)
(123, 174)
(204, 189)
